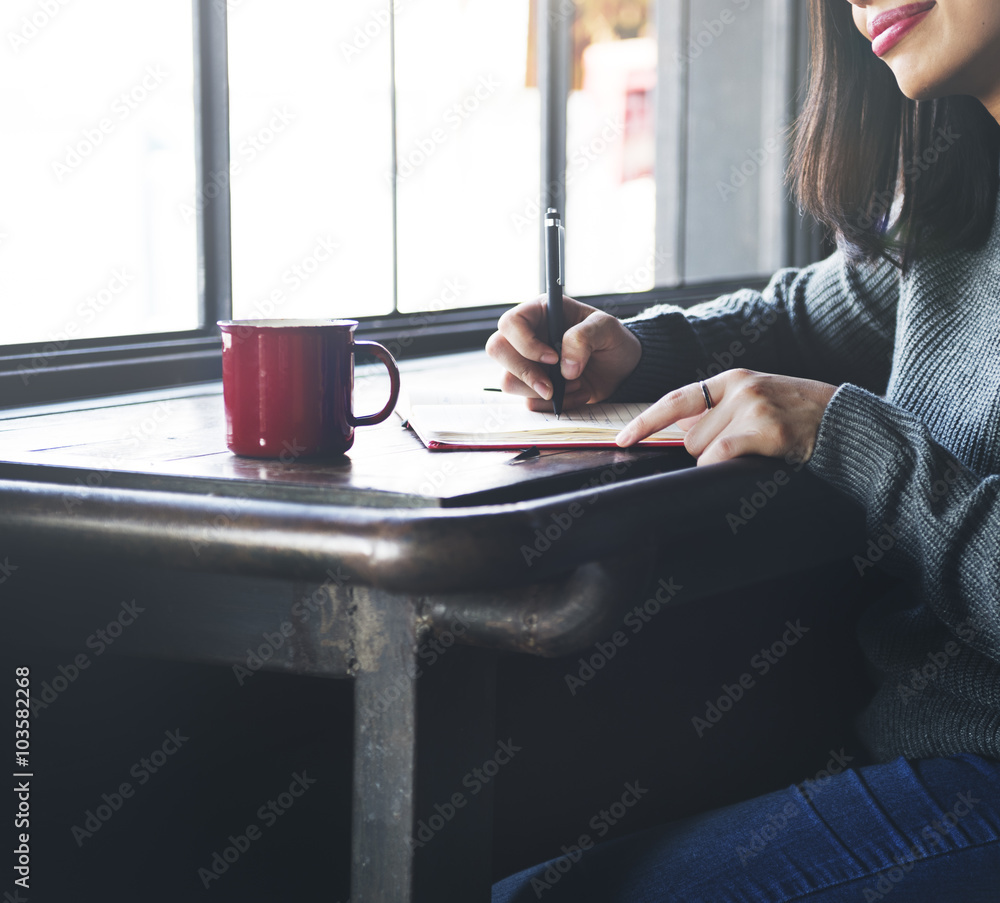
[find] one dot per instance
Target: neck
(990, 97)
(992, 103)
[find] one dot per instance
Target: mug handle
(377, 350)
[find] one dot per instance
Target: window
(387, 160)
(104, 283)
(99, 128)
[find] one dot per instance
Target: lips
(887, 28)
(886, 20)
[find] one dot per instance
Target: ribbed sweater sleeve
(829, 321)
(932, 519)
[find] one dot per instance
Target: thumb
(581, 341)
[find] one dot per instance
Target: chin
(916, 86)
(920, 92)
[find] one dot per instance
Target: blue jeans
(908, 832)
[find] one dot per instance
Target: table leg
(423, 725)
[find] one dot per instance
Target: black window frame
(75, 369)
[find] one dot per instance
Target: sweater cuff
(860, 443)
(672, 356)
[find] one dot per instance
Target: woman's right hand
(598, 352)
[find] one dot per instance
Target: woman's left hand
(752, 414)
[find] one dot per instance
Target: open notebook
(482, 420)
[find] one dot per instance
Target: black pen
(554, 281)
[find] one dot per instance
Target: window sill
(82, 370)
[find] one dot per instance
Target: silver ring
(708, 398)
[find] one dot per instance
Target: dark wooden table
(358, 560)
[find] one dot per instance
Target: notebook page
(482, 422)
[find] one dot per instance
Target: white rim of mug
(285, 324)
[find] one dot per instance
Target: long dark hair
(860, 143)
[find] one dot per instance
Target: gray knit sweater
(913, 435)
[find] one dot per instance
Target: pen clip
(561, 276)
(552, 221)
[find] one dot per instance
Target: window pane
(610, 149)
(99, 155)
(310, 137)
(677, 126)
(469, 154)
(729, 155)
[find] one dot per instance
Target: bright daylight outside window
(610, 191)
(323, 98)
(311, 144)
(99, 154)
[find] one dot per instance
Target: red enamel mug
(288, 386)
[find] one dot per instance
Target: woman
(880, 369)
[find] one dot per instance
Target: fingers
(712, 437)
(516, 347)
(752, 413)
(577, 395)
(521, 326)
(522, 376)
(685, 402)
(729, 445)
(519, 343)
(577, 346)
(581, 341)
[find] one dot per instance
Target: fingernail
(570, 369)
(543, 389)
(550, 357)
